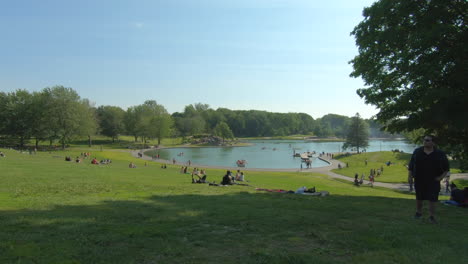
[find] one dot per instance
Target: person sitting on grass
(227, 179)
(456, 194)
(195, 172)
(241, 177)
(94, 161)
(67, 158)
(237, 175)
(131, 165)
(77, 160)
(2, 154)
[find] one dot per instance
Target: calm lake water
(276, 154)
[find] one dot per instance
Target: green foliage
(199, 118)
(336, 125)
(148, 120)
(111, 120)
(88, 124)
(64, 111)
(222, 130)
(358, 134)
(17, 115)
(412, 57)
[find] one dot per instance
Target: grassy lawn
(52, 211)
(395, 173)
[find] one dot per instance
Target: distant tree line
(200, 118)
(59, 114)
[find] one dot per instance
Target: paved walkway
(333, 164)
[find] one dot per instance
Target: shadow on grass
(232, 228)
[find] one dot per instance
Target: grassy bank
(397, 172)
(52, 211)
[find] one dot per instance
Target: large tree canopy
(111, 120)
(222, 129)
(413, 60)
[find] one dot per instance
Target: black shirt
(426, 167)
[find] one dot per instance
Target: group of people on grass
(85, 155)
(229, 178)
(198, 175)
(372, 174)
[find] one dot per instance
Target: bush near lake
(53, 211)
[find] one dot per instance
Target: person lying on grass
(201, 179)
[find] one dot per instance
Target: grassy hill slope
(52, 211)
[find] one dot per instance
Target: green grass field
(53, 211)
(397, 172)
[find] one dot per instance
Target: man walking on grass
(428, 166)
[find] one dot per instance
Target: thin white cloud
(138, 24)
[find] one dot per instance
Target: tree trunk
(21, 142)
(89, 141)
(136, 138)
(113, 139)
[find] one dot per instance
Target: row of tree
(58, 113)
(200, 118)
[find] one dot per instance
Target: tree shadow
(231, 228)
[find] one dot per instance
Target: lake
(275, 154)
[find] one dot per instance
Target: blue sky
(273, 55)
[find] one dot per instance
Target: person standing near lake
(428, 166)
